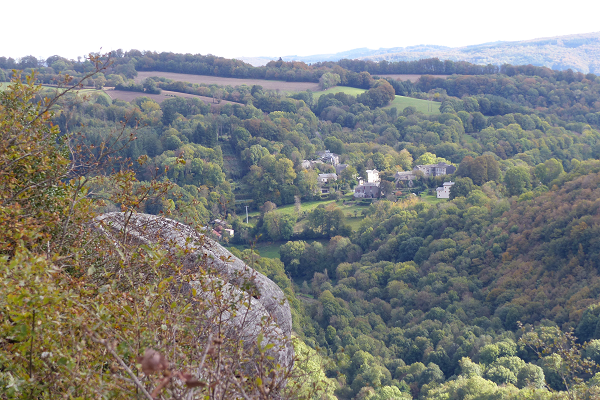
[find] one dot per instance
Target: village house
(325, 178)
(329, 157)
(220, 228)
(443, 192)
(372, 177)
(340, 167)
(306, 164)
(405, 176)
(436, 169)
(368, 190)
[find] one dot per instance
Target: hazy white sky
(273, 28)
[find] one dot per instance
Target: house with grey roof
(438, 169)
(340, 167)
(325, 178)
(368, 190)
(329, 157)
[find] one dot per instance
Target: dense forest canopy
(405, 296)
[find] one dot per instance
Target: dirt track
(216, 80)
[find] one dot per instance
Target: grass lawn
(400, 102)
(425, 106)
(336, 89)
(431, 199)
(468, 138)
(353, 222)
(289, 209)
(265, 249)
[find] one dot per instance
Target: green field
(468, 138)
(400, 102)
(425, 106)
(336, 89)
(270, 249)
(265, 249)
(431, 199)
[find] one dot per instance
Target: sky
(253, 28)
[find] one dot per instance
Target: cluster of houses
(439, 169)
(326, 157)
(369, 186)
(220, 230)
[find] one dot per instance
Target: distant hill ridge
(580, 52)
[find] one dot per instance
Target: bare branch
(134, 378)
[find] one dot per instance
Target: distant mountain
(579, 52)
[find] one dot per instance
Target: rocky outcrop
(264, 300)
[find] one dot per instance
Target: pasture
(431, 199)
(336, 89)
(216, 80)
(265, 249)
(427, 107)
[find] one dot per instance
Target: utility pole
(246, 214)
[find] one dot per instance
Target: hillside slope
(579, 52)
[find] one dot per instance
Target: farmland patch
(216, 80)
(407, 77)
(159, 98)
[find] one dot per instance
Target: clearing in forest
(337, 89)
(400, 102)
(427, 107)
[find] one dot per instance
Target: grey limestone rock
(231, 273)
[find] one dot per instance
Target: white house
(372, 176)
(443, 192)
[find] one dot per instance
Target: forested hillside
(405, 296)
